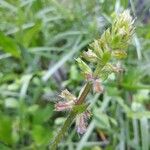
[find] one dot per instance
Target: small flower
(81, 119)
(119, 54)
(90, 56)
(81, 122)
(65, 94)
(69, 102)
(97, 86)
(124, 24)
(122, 31)
(117, 68)
(61, 106)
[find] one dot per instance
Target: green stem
(70, 118)
(62, 131)
(84, 93)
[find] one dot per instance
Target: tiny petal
(87, 115)
(119, 54)
(81, 124)
(97, 86)
(89, 77)
(61, 106)
(90, 56)
(67, 95)
(117, 68)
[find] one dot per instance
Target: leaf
(42, 115)
(5, 129)
(145, 133)
(139, 115)
(4, 147)
(30, 34)
(102, 120)
(8, 45)
(11, 103)
(106, 57)
(74, 74)
(41, 134)
(83, 66)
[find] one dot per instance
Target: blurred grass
(39, 40)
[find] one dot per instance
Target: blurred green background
(39, 40)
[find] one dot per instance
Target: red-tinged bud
(65, 105)
(97, 86)
(89, 77)
(81, 122)
(117, 68)
(90, 56)
(65, 94)
(87, 114)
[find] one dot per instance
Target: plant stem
(62, 131)
(70, 118)
(84, 93)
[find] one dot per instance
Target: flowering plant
(99, 56)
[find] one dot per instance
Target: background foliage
(39, 40)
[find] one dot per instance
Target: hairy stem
(62, 131)
(70, 118)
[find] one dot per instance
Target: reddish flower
(64, 105)
(81, 122)
(81, 119)
(70, 100)
(97, 86)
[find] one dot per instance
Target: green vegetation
(39, 41)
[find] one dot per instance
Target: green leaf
(42, 114)
(4, 147)
(30, 34)
(74, 74)
(8, 45)
(106, 57)
(145, 133)
(102, 120)
(83, 66)
(11, 103)
(41, 135)
(5, 129)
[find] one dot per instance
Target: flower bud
(61, 106)
(81, 122)
(97, 86)
(83, 66)
(65, 105)
(119, 54)
(90, 56)
(123, 25)
(67, 95)
(97, 48)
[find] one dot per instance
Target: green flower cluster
(112, 44)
